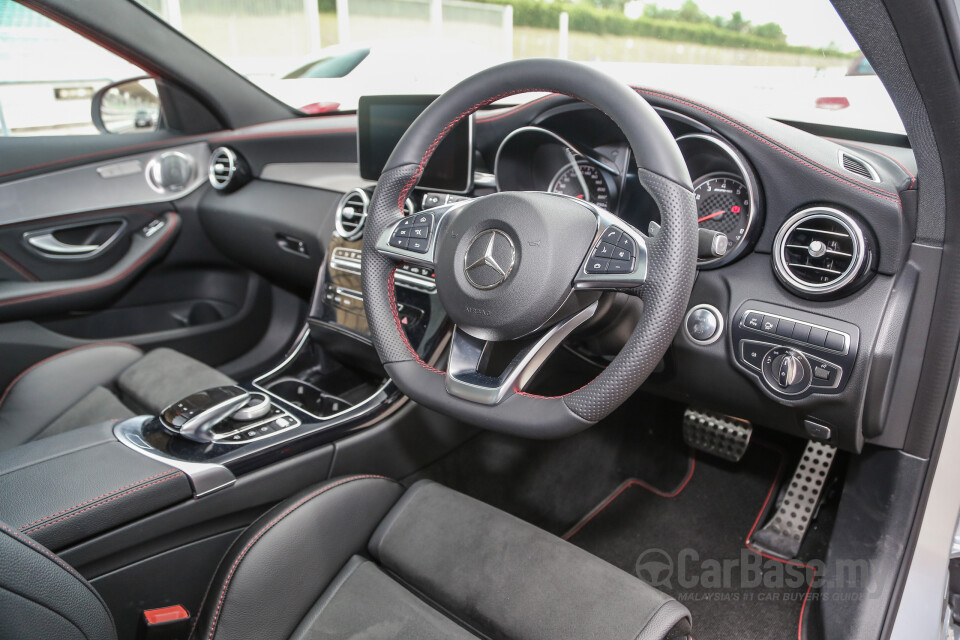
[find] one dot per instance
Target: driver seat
(362, 557)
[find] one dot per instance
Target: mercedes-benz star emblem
(489, 259)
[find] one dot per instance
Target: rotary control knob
(786, 371)
(789, 371)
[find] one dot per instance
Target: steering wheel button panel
(598, 265)
(627, 244)
(604, 250)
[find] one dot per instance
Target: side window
(49, 76)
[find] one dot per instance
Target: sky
(812, 23)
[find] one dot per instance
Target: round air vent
(227, 171)
(820, 251)
(352, 214)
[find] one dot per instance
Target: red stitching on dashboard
(228, 137)
(392, 297)
(260, 534)
(778, 146)
(169, 474)
(848, 143)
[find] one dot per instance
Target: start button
(703, 324)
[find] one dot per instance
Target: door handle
(76, 241)
(46, 243)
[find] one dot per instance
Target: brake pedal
(716, 434)
(784, 532)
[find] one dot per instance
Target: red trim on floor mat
(763, 509)
(623, 487)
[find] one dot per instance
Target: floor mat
(553, 483)
(690, 542)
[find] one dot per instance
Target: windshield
(789, 60)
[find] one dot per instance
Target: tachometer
(585, 182)
(723, 204)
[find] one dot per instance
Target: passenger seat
(96, 383)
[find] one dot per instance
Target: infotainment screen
(382, 122)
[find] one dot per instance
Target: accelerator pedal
(716, 434)
(784, 532)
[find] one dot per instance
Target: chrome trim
(205, 477)
(846, 336)
(717, 315)
(217, 182)
(464, 381)
(781, 266)
(874, 176)
(422, 259)
(353, 265)
(362, 220)
(84, 188)
(550, 134)
(44, 243)
(746, 174)
(488, 259)
(153, 169)
(774, 385)
(378, 394)
(253, 412)
(631, 280)
(199, 428)
(221, 438)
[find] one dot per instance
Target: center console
(329, 383)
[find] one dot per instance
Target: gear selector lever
(195, 416)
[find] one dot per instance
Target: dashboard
(799, 317)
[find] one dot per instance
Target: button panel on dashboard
(790, 353)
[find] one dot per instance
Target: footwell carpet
(691, 541)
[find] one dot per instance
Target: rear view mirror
(129, 106)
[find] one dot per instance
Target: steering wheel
(529, 267)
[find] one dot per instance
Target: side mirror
(128, 106)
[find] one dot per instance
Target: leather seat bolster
(281, 565)
(50, 387)
(507, 578)
(41, 596)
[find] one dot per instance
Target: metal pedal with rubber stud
(784, 532)
(714, 433)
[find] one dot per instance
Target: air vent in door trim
(352, 214)
(819, 251)
(857, 166)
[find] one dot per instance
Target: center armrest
(67, 488)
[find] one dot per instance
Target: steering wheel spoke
(470, 355)
(617, 259)
(413, 239)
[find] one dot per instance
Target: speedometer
(723, 204)
(584, 182)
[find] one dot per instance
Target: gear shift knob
(195, 416)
